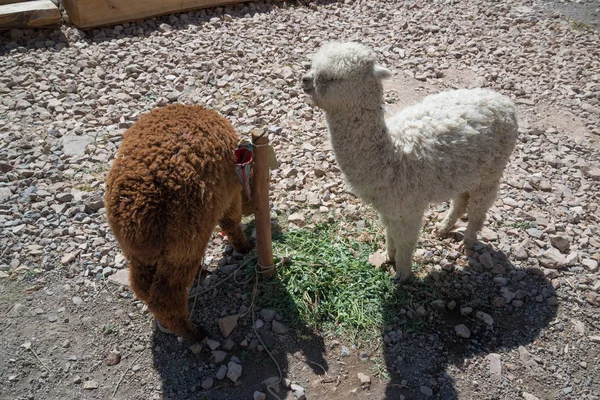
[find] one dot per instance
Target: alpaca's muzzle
(307, 84)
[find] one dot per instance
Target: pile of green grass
(326, 283)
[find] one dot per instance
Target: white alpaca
(453, 145)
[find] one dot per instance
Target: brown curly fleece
(172, 182)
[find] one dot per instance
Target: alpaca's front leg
(389, 240)
(405, 232)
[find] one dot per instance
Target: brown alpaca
(173, 180)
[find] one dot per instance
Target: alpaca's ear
(382, 72)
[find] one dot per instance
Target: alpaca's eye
(325, 79)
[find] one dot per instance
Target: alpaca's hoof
(466, 248)
(162, 328)
(403, 275)
(194, 334)
(244, 248)
(199, 335)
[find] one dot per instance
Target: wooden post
(260, 197)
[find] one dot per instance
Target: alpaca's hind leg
(230, 223)
(480, 200)
(405, 232)
(141, 277)
(389, 240)
(458, 207)
(169, 299)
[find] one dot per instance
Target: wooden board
(92, 13)
(30, 14)
(12, 1)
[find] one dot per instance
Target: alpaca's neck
(362, 146)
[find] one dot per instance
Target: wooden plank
(30, 14)
(2, 2)
(93, 13)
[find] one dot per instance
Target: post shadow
(428, 345)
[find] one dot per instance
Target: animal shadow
(183, 366)
(502, 308)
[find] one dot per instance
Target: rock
(221, 372)
(499, 302)
(439, 304)
(267, 315)
(90, 385)
(579, 327)
(93, 204)
(164, 28)
(535, 233)
(74, 145)
(67, 259)
(552, 258)
(213, 344)
(16, 34)
(466, 310)
(488, 235)
(5, 194)
(121, 277)
(517, 303)
(377, 259)
(298, 391)
(113, 358)
(218, 356)
(271, 382)
(561, 242)
(527, 396)
(572, 259)
(426, 390)
(77, 300)
(17, 310)
(593, 298)
(259, 396)
(344, 352)
(196, 348)
(462, 331)
(527, 359)
(207, 383)
(228, 344)
(297, 219)
(495, 366)
(592, 172)
(486, 260)
(279, 328)
(421, 311)
(228, 324)
(364, 379)
(592, 265)
(234, 371)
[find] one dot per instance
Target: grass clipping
(326, 282)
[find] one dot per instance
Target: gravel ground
(516, 318)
